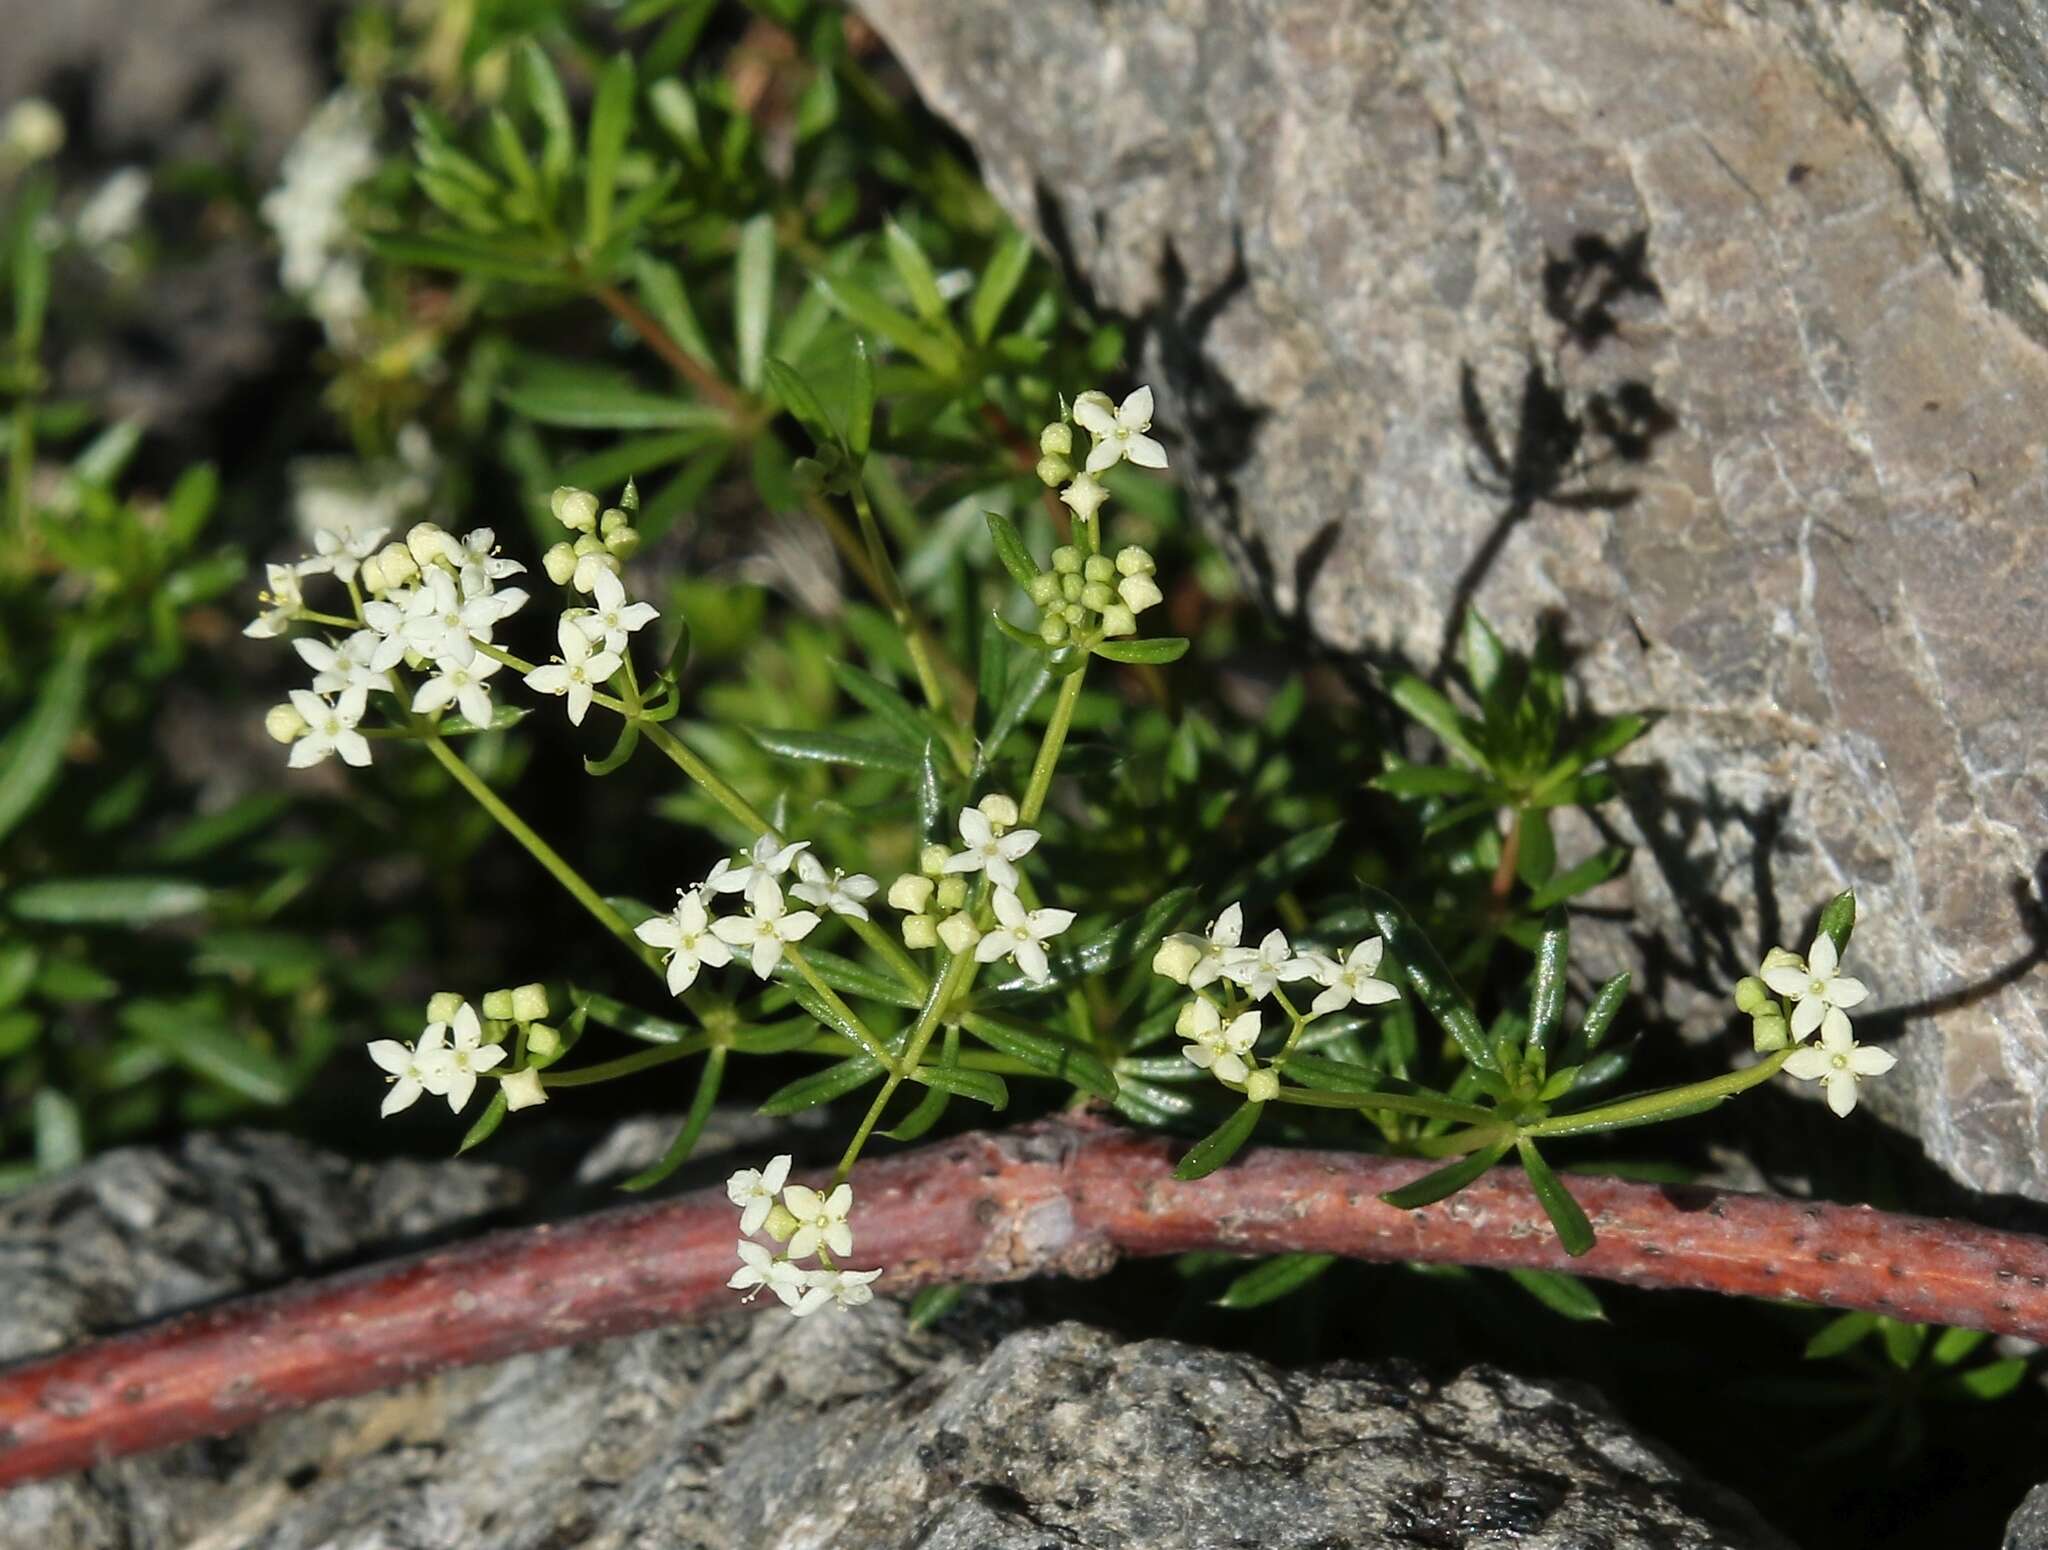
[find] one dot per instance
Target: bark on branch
(1062, 1197)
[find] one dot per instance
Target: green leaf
(1574, 1232)
(1952, 1345)
(1274, 1279)
(1010, 548)
(622, 750)
(1042, 1052)
(860, 418)
(32, 752)
(1590, 873)
(801, 400)
(753, 296)
(1536, 856)
(209, 832)
(60, 1135)
(1547, 983)
(933, 1304)
(487, 1122)
(108, 901)
(1838, 920)
(591, 403)
(192, 1033)
(835, 1081)
(1151, 653)
(31, 265)
(629, 1020)
(1591, 1123)
(931, 1108)
(1428, 780)
(1483, 653)
(685, 1142)
(485, 258)
(18, 963)
(1025, 689)
(1838, 1335)
(1902, 1341)
(551, 106)
(611, 120)
(992, 675)
(875, 315)
(1429, 978)
(1221, 1144)
(1423, 704)
(998, 284)
(982, 1086)
(835, 748)
(1445, 1181)
(1994, 1380)
(1600, 1015)
(915, 271)
(849, 977)
(1562, 1294)
(661, 289)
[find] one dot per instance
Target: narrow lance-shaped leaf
(1838, 920)
(1445, 1181)
(685, 1142)
(1276, 1278)
(835, 1081)
(998, 283)
(931, 795)
(836, 748)
(551, 105)
(753, 295)
(1221, 1144)
(1600, 1015)
(1145, 653)
(872, 694)
(1436, 713)
(630, 1020)
(1011, 549)
(1590, 873)
(1429, 977)
(802, 400)
(1547, 983)
(31, 754)
(622, 750)
(487, 1123)
(611, 119)
(982, 1086)
(1042, 1052)
(1574, 1232)
(1565, 1295)
(915, 271)
(860, 420)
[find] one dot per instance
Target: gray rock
(2028, 1529)
(1751, 301)
(850, 1431)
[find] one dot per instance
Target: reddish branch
(1065, 1197)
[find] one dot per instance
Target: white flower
(285, 597)
(848, 1288)
(1021, 934)
(759, 1268)
(482, 598)
(1820, 994)
(480, 548)
(1085, 495)
(820, 1219)
(590, 565)
(1209, 953)
(685, 932)
(468, 1056)
(754, 1190)
(765, 929)
(1260, 970)
(346, 666)
(987, 851)
(835, 892)
(341, 554)
(612, 618)
(522, 1089)
(330, 729)
(576, 672)
(1215, 1045)
(412, 1069)
(770, 857)
(1350, 981)
(1119, 433)
(386, 618)
(462, 686)
(1839, 1061)
(440, 623)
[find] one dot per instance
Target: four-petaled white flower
(468, 1056)
(1216, 1045)
(833, 891)
(848, 1288)
(990, 852)
(1820, 994)
(577, 672)
(1838, 1060)
(1119, 432)
(330, 729)
(686, 933)
(341, 554)
(611, 618)
(1350, 981)
(1197, 961)
(820, 1219)
(759, 1268)
(1261, 970)
(754, 1190)
(766, 928)
(480, 548)
(285, 597)
(346, 666)
(441, 624)
(770, 857)
(412, 1069)
(461, 686)
(1021, 934)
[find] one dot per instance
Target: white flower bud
(1770, 1032)
(920, 932)
(560, 564)
(1052, 629)
(959, 933)
(910, 893)
(543, 1043)
(1189, 1022)
(1098, 398)
(590, 566)
(1057, 440)
(952, 892)
(284, 724)
(999, 810)
(574, 509)
(1119, 620)
(1074, 613)
(371, 574)
(1139, 593)
(623, 544)
(1098, 567)
(1054, 471)
(1096, 596)
(529, 1003)
(32, 130)
(1261, 1086)
(443, 1005)
(932, 860)
(1070, 587)
(497, 1005)
(427, 543)
(1176, 958)
(613, 521)
(399, 565)
(1752, 995)
(522, 1089)
(1134, 561)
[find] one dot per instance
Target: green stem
(958, 977)
(625, 1065)
(21, 458)
(1653, 1105)
(717, 789)
(1050, 745)
(830, 997)
(1394, 1103)
(544, 853)
(899, 610)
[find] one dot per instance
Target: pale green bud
(960, 933)
(371, 574)
(1119, 620)
(781, 1224)
(31, 131)
(1044, 589)
(623, 544)
(1054, 471)
(1074, 614)
(999, 810)
(1770, 1032)
(426, 543)
(529, 1003)
(1070, 587)
(1098, 567)
(920, 932)
(932, 860)
(1139, 593)
(399, 565)
(1261, 1086)
(497, 1005)
(629, 499)
(543, 1042)
(574, 509)
(522, 1089)
(910, 893)
(1134, 561)
(1189, 1019)
(1752, 995)
(952, 892)
(1176, 959)
(560, 564)
(1057, 440)
(442, 1006)
(1052, 629)
(1780, 958)
(589, 543)
(613, 521)
(1096, 596)
(1066, 559)
(284, 724)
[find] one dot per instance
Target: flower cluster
(458, 1046)
(694, 939)
(1082, 586)
(1222, 1027)
(806, 1223)
(334, 154)
(937, 908)
(1790, 997)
